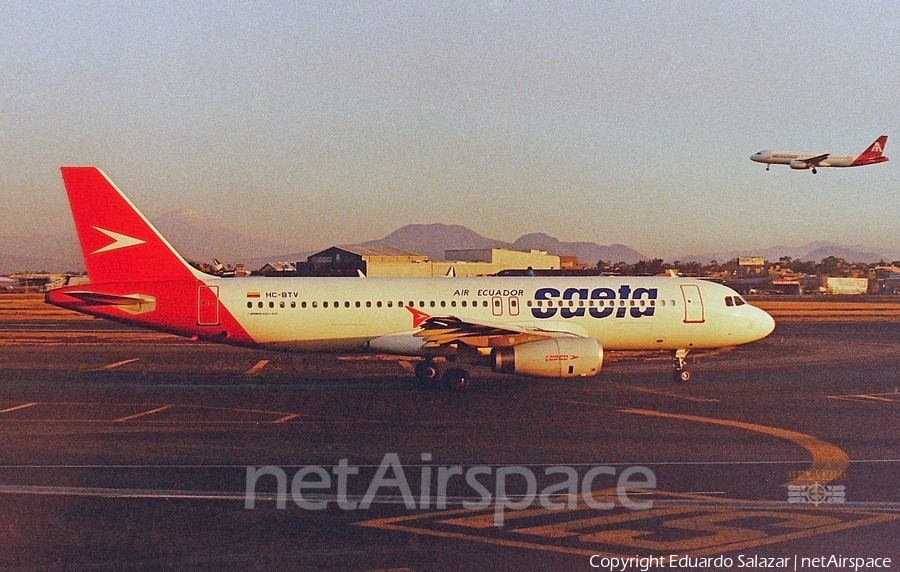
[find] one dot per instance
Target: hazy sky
(318, 123)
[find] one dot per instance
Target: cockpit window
(734, 301)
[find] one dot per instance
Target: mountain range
(433, 240)
(201, 239)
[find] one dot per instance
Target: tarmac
(122, 450)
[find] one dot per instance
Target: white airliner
(542, 326)
(798, 160)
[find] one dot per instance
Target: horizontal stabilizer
(131, 303)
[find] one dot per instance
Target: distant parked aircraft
(798, 160)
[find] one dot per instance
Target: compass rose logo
(816, 494)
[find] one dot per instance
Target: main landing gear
(428, 376)
(681, 374)
(814, 171)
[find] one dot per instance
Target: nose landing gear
(681, 373)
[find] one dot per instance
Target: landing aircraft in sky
(799, 160)
(552, 327)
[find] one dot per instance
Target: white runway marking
(17, 407)
(137, 415)
(894, 397)
(257, 368)
(115, 365)
(670, 394)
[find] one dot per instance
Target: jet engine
(555, 357)
(797, 164)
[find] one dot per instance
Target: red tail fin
(118, 243)
(873, 154)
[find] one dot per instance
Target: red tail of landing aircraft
(135, 275)
(873, 154)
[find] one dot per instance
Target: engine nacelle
(555, 357)
(799, 165)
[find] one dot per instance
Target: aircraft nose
(762, 323)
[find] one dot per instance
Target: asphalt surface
(123, 451)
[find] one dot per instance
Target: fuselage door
(208, 305)
(693, 304)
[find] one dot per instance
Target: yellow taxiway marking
(136, 415)
(287, 418)
(699, 526)
(257, 368)
(17, 407)
(827, 458)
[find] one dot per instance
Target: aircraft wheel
(426, 374)
(682, 375)
(456, 379)
(814, 171)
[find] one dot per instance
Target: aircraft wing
(816, 160)
(442, 330)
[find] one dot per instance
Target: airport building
(382, 261)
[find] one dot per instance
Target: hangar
(350, 260)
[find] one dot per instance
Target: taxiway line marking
(17, 407)
(136, 415)
(826, 457)
(287, 418)
(257, 368)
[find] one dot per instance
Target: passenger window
(249, 304)
(293, 304)
(271, 304)
(260, 305)
(443, 303)
(378, 303)
(281, 304)
(368, 304)
(315, 304)
(347, 304)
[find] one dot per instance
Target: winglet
(873, 154)
(118, 243)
